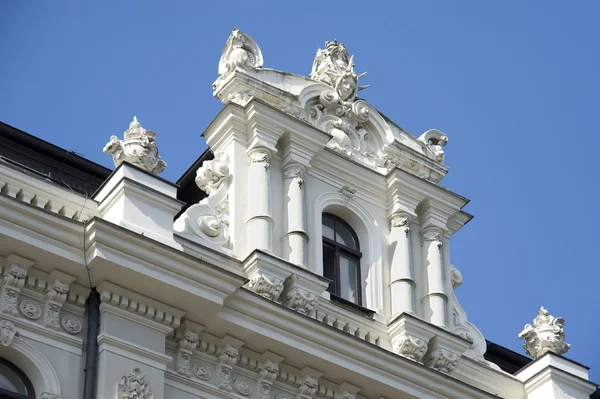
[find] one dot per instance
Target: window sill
(351, 306)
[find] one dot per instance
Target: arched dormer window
(341, 259)
(13, 382)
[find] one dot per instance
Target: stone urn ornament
(138, 147)
(545, 335)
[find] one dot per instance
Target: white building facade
(305, 256)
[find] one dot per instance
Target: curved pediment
(328, 99)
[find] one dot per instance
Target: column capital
(293, 170)
(259, 154)
(400, 219)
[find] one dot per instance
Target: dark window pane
(11, 381)
(344, 236)
(329, 266)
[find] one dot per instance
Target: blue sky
(513, 84)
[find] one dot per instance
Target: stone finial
(138, 147)
(546, 335)
(335, 67)
(435, 141)
(240, 51)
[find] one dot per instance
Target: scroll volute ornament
(240, 51)
(209, 219)
(339, 111)
(138, 147)
(545, 335)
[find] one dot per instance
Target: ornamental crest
(135, 386)
(339, 112)
(546, 335)
(138, 147)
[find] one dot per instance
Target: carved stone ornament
(457, 278)
(209, 219)
(294, 172)
(138, 147)
(348, 193)
(308, 388)
(11, 283)
(55, 297)
(187, 342)
(135, 386)
(443, 360)
(282, 396)
(243, 386)
(7, 332)
(227, 359)
(71, 324)
(546, 335)
(435, 142)
(240, 51)
(47, 395)
(300, 300)
(259, 157)
(30, 309)
(338, 111)
(201, 371)
(411, 347)
(267, 286)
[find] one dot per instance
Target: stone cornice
(367, 363)
(38, 192)
(119, 300)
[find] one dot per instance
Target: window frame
(340, 249)
(26, 381)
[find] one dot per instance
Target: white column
(434, 302)
(296, 238)
(260, 220)
(402, 284)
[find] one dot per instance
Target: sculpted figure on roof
(335, 67)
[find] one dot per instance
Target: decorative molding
(138, 147)
(294, 172)
(71, 324)
(348, 193)
(201, 371)
(456, 277)
(8, 332)
(338, 111)
(268, 371)
(228, 356)
(208, 220)
(261, 156)
(432, 234)
(135, 386)
(129, 304)
(410, 346)
(400, 220)
(301, 300)
(435, 141)
(13, 280)
(240, 51)
(442, 359)
(55, 298)
(266, 285)
(30, 309)
(243, 386)
(309, 383)
(546, 335)
(187, 341)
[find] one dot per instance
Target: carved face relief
(346, 87)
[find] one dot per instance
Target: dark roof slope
(188, 191)
(507, 360)
(38, 157)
